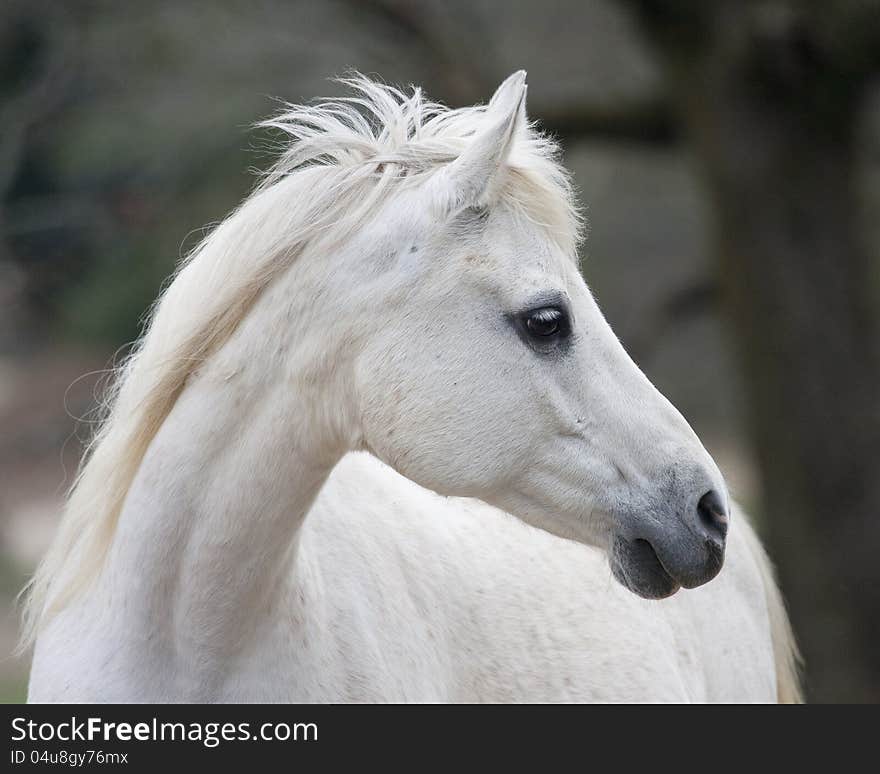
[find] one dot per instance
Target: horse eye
(545, 323)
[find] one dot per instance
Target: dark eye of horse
(546, 323)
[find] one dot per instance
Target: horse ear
(472, 180)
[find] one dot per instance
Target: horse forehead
(528, 265)
(520, 246)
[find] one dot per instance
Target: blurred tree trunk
(771, 94)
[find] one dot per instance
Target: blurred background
(727, 153)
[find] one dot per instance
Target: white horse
(394, 321)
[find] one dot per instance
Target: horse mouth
(637, 567)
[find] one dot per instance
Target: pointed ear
(473, 179)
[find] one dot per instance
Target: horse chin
(637, 567)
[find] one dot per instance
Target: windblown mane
(342, 160)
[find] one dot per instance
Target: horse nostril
(713, 516)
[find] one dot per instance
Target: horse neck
(208, 532)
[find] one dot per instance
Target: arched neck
(208, 534)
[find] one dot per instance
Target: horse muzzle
(656, 556)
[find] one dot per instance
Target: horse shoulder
(449, 599)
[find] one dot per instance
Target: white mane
(343, 159)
